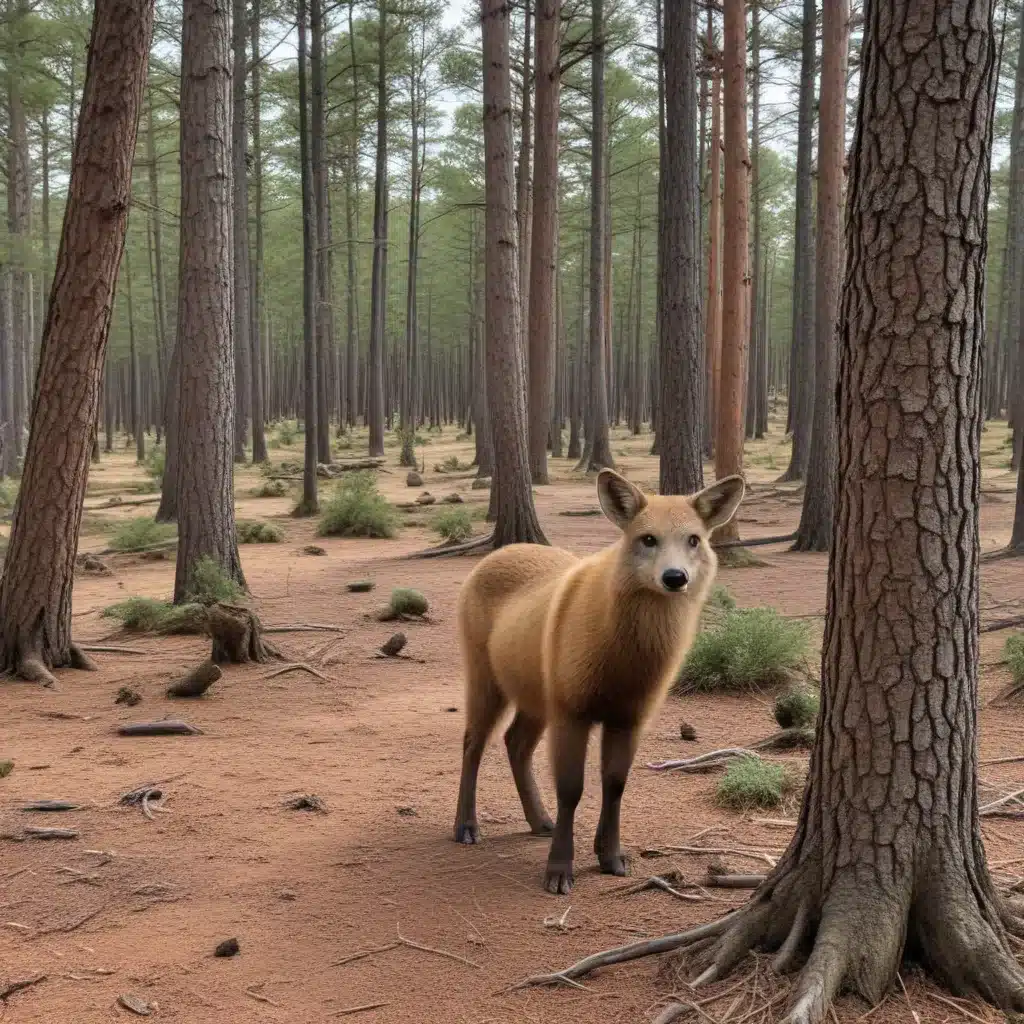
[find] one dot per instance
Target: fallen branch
(1014, 759)
(166, 727)
(41, 834)
(349, 1010)
(63, 929)
(105, 649)
(731, 881)
(995, 807)
(702, 762)
(363, 954)
(17, 986)
(724, 851)
(754, 542)
(663, 883)
(403, 941)
(304, 627)
(298, 666)
(48, 806)
(259, 997)
(442, 550)
(998, 624)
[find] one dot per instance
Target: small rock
(313, 549)
(481, 483)
(134, 1003)
(126, 695)
(687, 732)
(413, 479)
(90, 563)
(407, 812)
(307, 802)
(323, 471)
(393, 646)
(451, 710)
(426, 498)
(153, 556)
(287, 895)
(360, 587)
(452, 499)
(229, 947)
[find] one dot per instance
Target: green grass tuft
(797, 707)
(8, 494)
(452, 465)
(454, 524)
(141, 532)
(1013, 653)
(405, 601)
(721, 598)
(358, 509)
(751, 783)
(147, 615)
(747, 648)
(156, 459)
(286, 432)
(270, 489)
(210, 584)
(251, 532)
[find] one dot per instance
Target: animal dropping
(574, 643)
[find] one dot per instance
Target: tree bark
(205, 492)
(735, 281)
(35, 591)
(352, 230)
(259, 439)
(754, 397)
(378, 294)
(544, 234)
(135, 381)
(888, 852)
(679, 347)
(516, 517)
(713, 307)
(815, 530)
(801, 393)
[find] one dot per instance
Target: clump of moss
(251, 532)
(139, 533)
(358, 509)
(797, 707)
(751, 783)
(270, 489)
(405, 603)
(147, 615)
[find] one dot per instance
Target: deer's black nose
(674, 579)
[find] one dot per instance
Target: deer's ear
(620, 500)
(717, 504)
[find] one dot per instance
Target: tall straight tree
(598, 453)
(35, 591)
(259, 439)
(310, 503)
(815, 530)
(713, 305)
(544, 234)
(240, 231)
(515, 516)
(679, 345)
(205, 489)
(801, 365)
(378, 295)
(735, 282)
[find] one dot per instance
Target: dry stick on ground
(724, 851)
(304, 627)
(17, 986)
(663, 883)
(64, 929)
(1014, 759)
(261, 998)
(702, 762)
(403, 941)
(104, 649)
(349, 1010)
(996, 805)
(364, 953)
(298, 666)
(754, 542)
(42, 834)
(999, 624)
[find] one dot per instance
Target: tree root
(197, 682)
(702, 762)
(238, 636)
(442, 550)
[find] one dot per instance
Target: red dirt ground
(380, 742)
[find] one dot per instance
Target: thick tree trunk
(240, 231)
(135, 379)
(515, 515)
(754, 397)
(713, 306)
(8, 452)
(801, 393)
(35, 591)
(310, 502)
(205, 492)
(378, 294)
(544, 235)
(524, 187)
(259, 439)
(679, 353)
(815, 530)
(888, 853)
(598, 452)
(352, 230)
(735, 282)
(407, 457)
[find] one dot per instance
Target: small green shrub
(6, 767)
(270, 489)
(797, 707)
(8, 494)
(721, 598)
(147, 615)
(452, 465)
(1013, 653)
(209, 584)
(745, 649)
(156, 459)
(751, 783)
(405, 601)
(454, 524)
(357, 509)
(250, 532)
(141, 532)
(287, 432)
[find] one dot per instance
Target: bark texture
(512, 496)
(206, 357)
(35, 592)
(888, 852)
(240, 227)
(679, 291)
(378, 297)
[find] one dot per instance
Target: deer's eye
(649, 540)
(693, 540)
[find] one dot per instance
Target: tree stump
(197, 682)
(238, 636)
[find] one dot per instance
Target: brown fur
(572, 643)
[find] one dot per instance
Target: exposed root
(784, 959)
(32, 670)
(442, 550)
(80, 660)
(238, 636)
(702, 762)
(754, 542)
(298, 666)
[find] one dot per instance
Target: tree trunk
(524, 190)
(478, 354)
(135, 382)
(679, 349)
(8, 452)
(598, 453)
(259, 439)
(240, 231)
(352, 230)
(205, 493)
(35, 591)
(310, 503)
(754, 397)
(815, 530)
(378, 294)
(713, 307)
(735, 283)
(544, 234)
(801, 394)
(516, 517)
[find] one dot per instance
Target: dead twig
(41, 834)
(702, 762)
(64, 929)
(304, 627)
(107, 649)
(668, 882)
(48, 806)
(260, 998)
(349, 1010)
(996, 806)
(724, 851)
(437, 952)
(999, 624)
(17, 986)
(298, 666)
(1000, 760)
(364, 953)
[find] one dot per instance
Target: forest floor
(135, 907)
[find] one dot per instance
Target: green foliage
(270, 489)
(797, 707)
(6, 767)
(454, 524)
(1013, 653)
(141, 532)
(147, 615)
(209, 584)
(357, 509)
(452, 465)
(286, 432)
(405, 601)
(156, 459)
(721, 598)
(745, 649)
(253, 532)
(751, 783)
(8, 494)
